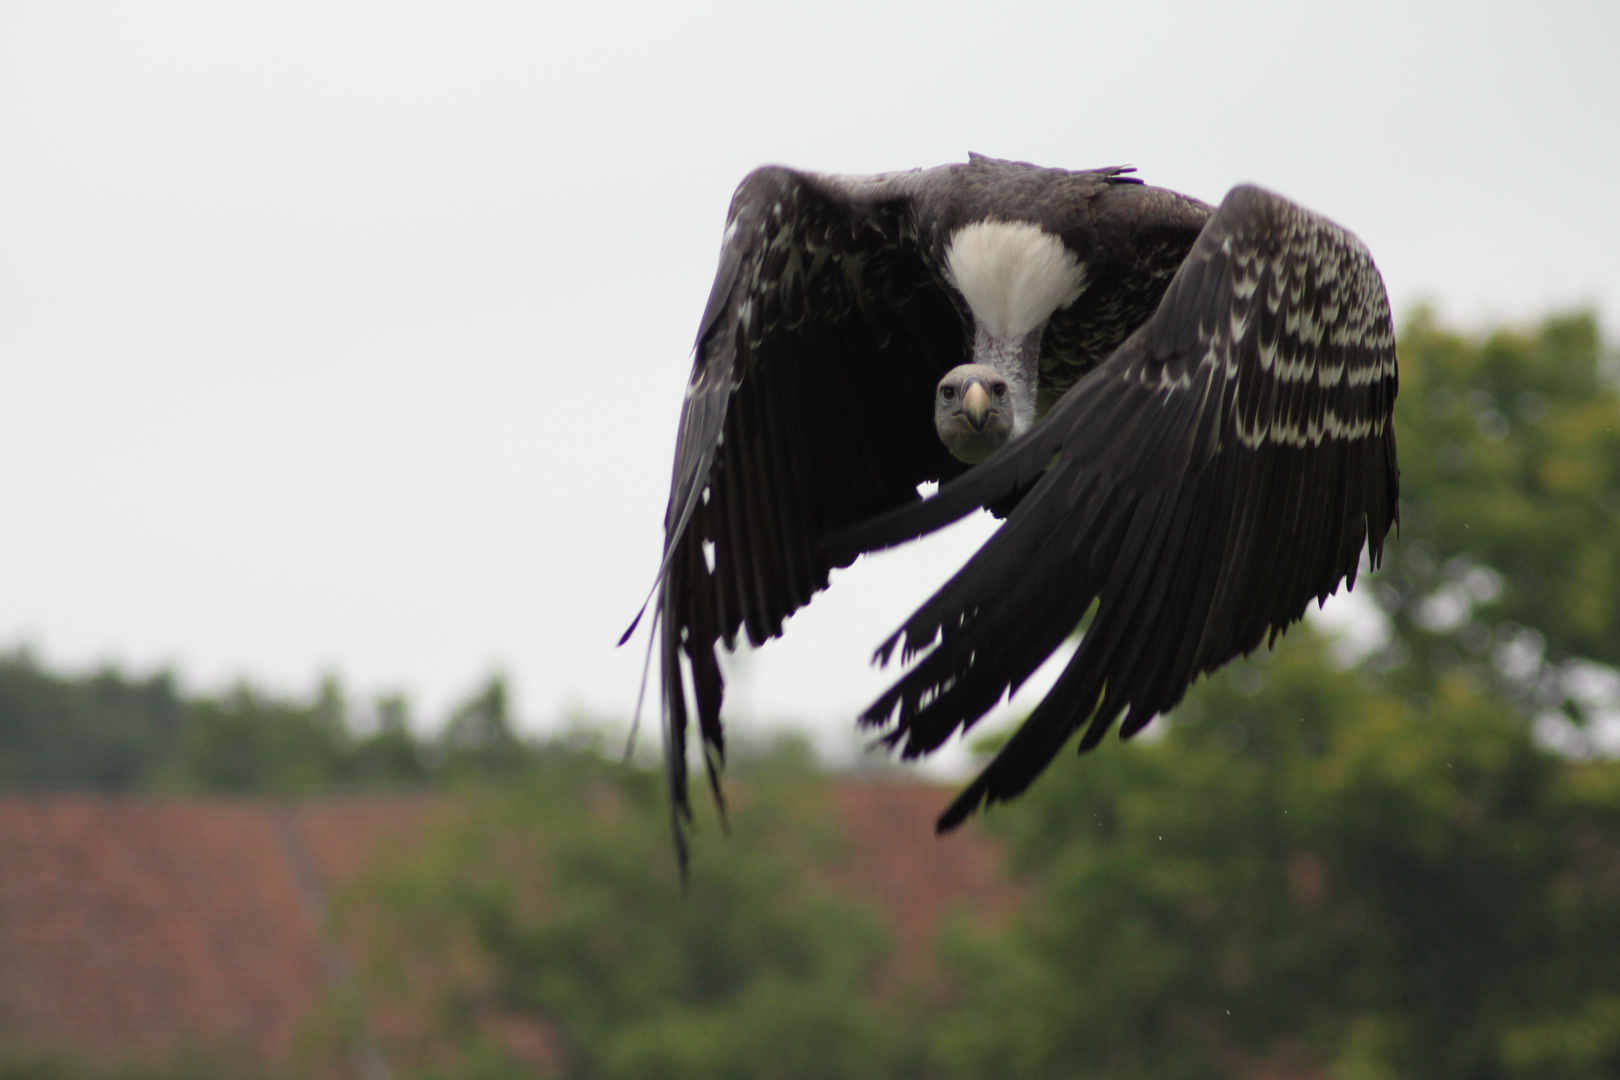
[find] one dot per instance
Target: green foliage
(1307, 869)
(247, 742)
(58, 1066)
(113, 733)
(103, 731)
(547, 932)
(479, 739)
(1510, 462)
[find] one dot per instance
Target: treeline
(110, 732)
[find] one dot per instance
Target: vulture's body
(1195, 406)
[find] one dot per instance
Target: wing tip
(631, 629)
(964, 806)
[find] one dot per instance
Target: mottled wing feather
(809, 409)
(1224, 467)
(1135, 239)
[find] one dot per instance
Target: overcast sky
(351, 337)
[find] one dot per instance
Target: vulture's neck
(1013, 276)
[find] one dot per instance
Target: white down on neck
(1012, 275)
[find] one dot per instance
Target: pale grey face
(973, 412)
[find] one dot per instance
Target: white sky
(351, 337)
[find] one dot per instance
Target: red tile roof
(916, 877)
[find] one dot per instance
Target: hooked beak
(976, 404)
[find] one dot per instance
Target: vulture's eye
(1001, 389)
(947, 392)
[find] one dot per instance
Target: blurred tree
(110, 732)
(35, 1066)
(104, 730)
(391, 754)
(1308, 871)
(1509, 550)
(548, 934)
(479, 739)
(247, 741)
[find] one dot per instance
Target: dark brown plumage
(1217, 454)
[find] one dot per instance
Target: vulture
(1182, 413)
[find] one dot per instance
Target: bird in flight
(1182, 412)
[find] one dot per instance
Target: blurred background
(343, 349)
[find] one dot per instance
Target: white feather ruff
(1012, 274)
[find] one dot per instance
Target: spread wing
(1226, 465)
(810, 408)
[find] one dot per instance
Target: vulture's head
(973, 412)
